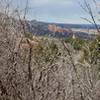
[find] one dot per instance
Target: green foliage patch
(77, 43)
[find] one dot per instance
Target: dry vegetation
(45, 69)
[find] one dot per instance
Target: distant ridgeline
(59, 30)
(78, 26)
(55, 29)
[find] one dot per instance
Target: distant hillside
(58, 30)
(78, 26)
(65, 25)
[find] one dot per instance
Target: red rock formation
(54, 28)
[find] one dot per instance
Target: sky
(59, 11)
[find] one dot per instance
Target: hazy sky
(64, 11)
